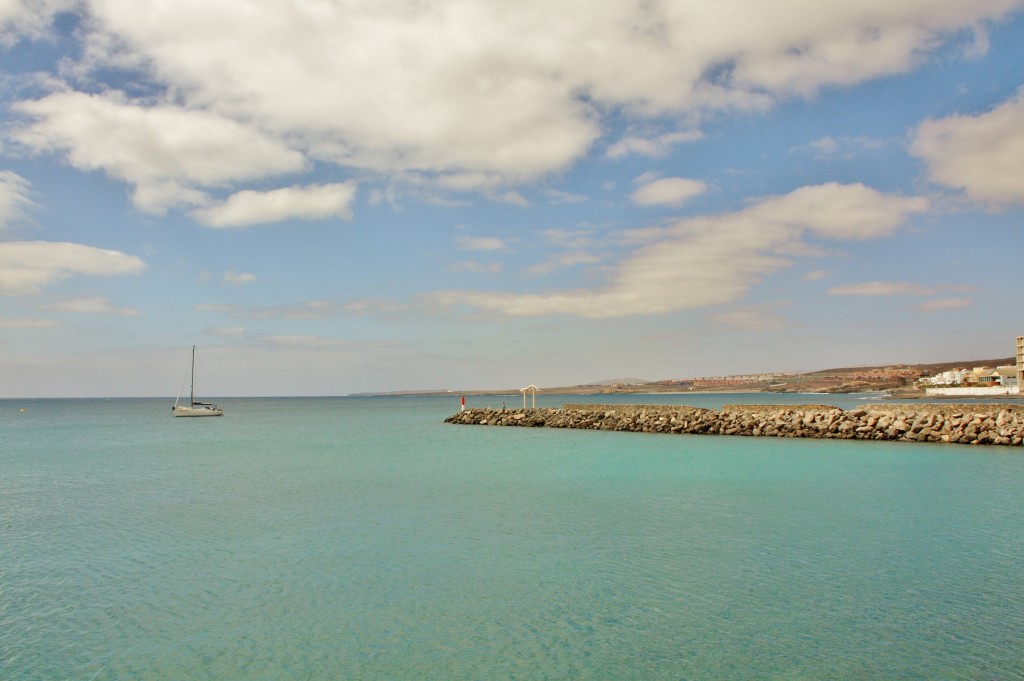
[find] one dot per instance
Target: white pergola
(533, 390)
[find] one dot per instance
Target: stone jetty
(974, 424)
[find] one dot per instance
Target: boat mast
(192, 388)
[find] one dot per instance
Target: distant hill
(622, 381)
(899, 377)
(931, 368)
(892, 377)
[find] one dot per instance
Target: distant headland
(900, 380)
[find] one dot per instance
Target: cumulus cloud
(983, 155)
(503, 92)
(165, 151)
(246, 208)
(656, 145)
(28, 266)
(14, 198)
(840, 211)
(668, 191)
(387, 86)
(29, 19)
(707, 261)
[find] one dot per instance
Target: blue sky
(338, 197)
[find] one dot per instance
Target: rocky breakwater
(975, 424)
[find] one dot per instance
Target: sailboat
(194, 408)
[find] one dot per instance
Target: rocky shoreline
(974, 424)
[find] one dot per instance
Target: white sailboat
(194, 408)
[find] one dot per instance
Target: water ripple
(332, 543)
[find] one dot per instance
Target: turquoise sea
(363, 538)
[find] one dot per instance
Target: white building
(980, 381)
(951, 377)
(1020, 360)
(1007, 376)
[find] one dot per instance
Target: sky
(340, 196)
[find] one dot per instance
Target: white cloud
(165, 151)
(480, 243)
(373, 306)
(843, 147)
(668, 191)
(91, 305)
(564, 260)
(825, 146)
(945, 304)
(849, 43)
(882, 288)
(315, 202)
(707, 261)
(27, 323)
(238, 278)
(385, 85)
(815, 275)
(982, 155)
(27, 266)
(29, 19)
(578, 246)
(514, 198)
(509, 91)
(658, 145)
(569, 238)
(14, 198)
(840, 211)
(555, 196)
(459, 181)
(645, 178)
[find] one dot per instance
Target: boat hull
(198, 411)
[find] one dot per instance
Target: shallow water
(362, 538)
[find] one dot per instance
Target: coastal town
(988, 378)
(982, 422)
(995, 377)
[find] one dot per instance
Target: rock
(997, 425)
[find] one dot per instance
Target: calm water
(362, 538)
